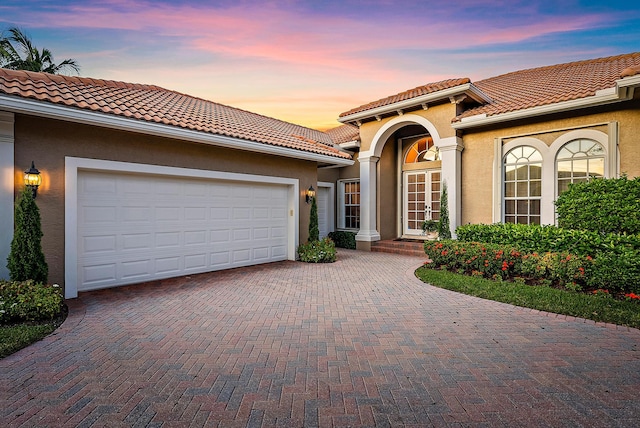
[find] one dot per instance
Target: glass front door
(421, 200)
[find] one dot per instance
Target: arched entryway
(419, 172)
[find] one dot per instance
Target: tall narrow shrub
(314, 231)
(444, 230)
(26, 259)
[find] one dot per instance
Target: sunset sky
(308, 61)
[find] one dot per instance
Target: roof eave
(350, 145)
(468, 89)
(71, 114)
(622, 91)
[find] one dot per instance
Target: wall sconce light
(32, 179)
(310, 193)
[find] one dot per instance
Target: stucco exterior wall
(388, 193)
(47, 142)
(478, 153)
(439, 115)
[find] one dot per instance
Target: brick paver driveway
(360, 342)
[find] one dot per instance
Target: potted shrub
(430, 228)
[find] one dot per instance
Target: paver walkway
(360, 342)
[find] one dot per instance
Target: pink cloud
(301, 40)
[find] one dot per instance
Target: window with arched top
(522, 178)
(422, 150)
(579, 161)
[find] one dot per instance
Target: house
(143, 183)
(504, 146)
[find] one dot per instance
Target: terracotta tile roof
(407, 95)
(344, 134)
(155, 104)
(552, 84)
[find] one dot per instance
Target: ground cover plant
(599, 306)
(322, 251)
(316, 250)
(28, 312)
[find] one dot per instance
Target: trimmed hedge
(561, 269)
(609, 205)
(533, 238)
(344, 239)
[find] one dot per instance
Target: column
(451, 155)
(368, 213)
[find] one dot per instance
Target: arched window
(422, 150)
(579, 161)
(522, 178)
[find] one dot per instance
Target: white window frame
(549, 173)
(342, 207)
(515, 198)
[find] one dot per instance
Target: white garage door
(134, 228)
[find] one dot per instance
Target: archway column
(368, 203)
(451, 155)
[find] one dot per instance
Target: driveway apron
(360, 342)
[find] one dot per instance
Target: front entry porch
(401, 178)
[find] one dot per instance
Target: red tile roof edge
(86, 94)
(409, 94)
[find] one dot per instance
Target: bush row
(344, 239)
(28, 301)
(559, 269)
(534, 238)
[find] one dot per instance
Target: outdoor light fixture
(311, 193)
(32, 179)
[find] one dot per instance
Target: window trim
(341, 205)
(549, 173)
(516, 198)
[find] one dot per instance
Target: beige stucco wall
(478, 153)
(439, 115)
(388, 193)
(47, 142)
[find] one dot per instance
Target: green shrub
(26, 259)
(497, 261)
(444, 229)
(617, 271)
(344, 239)
(323, 251)
(28, 301)
(609, 205)
(534, 238)
(314, 231)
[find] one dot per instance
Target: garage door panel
(136, 269)
(97, 214)
(137, 241)
(97, 275)
(98, 244)
(134, 228)
(168, 265)
(260, 233)
(167, 239)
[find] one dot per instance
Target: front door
(421, 200)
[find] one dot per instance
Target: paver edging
(77, 310)
(410, 273)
